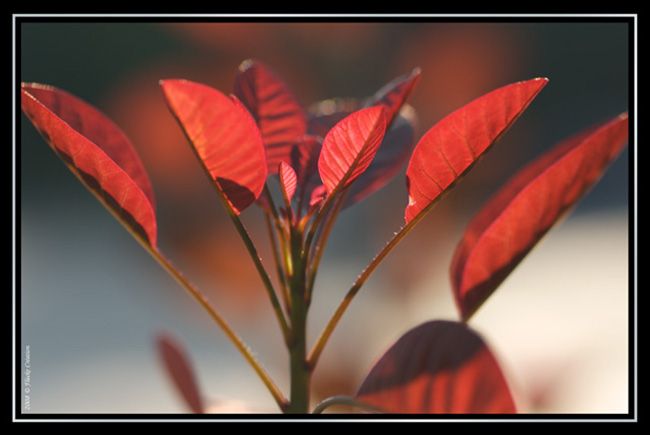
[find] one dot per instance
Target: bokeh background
(93, 300)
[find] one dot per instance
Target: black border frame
(631, 20)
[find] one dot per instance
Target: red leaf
(288, 181)
(325, 114)
(350, 146)
(391, 156)
(224, 136)
(304, 155)
(179, 369)
(519, 215)
(439, 367)
(394, 94)
(97, 151)
(390, 159)
(317, 195)
(455, 143)
(281, 119)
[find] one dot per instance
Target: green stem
(282, 279)
(200, 298)
(225, 327)
(250, 246)
(262, 272)
(320, 215)
(321, 243)
(300, 370)
(347, 299)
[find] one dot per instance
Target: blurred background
(93, 300)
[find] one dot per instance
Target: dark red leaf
(225, 138)
(304, 156)
(452, 146)
(97, 151)
(390, 159)
(519, 215)
(439, 367)
(281, 119)
(350, 146)
(288, 181)
(179, 368)
(394, 94)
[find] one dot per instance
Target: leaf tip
(246, 64)
(542, 82)
(165, 84)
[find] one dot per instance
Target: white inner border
(13, 202)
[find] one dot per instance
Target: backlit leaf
(519, 215)
(225, 138)
(97, 151)
(288, 181)
(350, 146)
(393, 153)
(455, 143)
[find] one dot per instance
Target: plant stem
(200, 298)
(321, 242)
(225, 327)
(299, 369)
(320, 215)
(282, 279)
(347, 299)
(262, 272)
(250, 246)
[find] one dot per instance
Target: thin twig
(282, 279)
(347, 299)
(321, 243)
(200, 298)
(252, 250)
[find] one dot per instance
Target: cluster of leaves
(328, 158)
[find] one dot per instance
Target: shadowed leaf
(394, 94)
(281, 119)
(225, 138)
(304, 157)
(97, 151)
(304, 160)
(350, 146)
(519, 215)
(455, 143)
(439, 367)
(179, 369)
